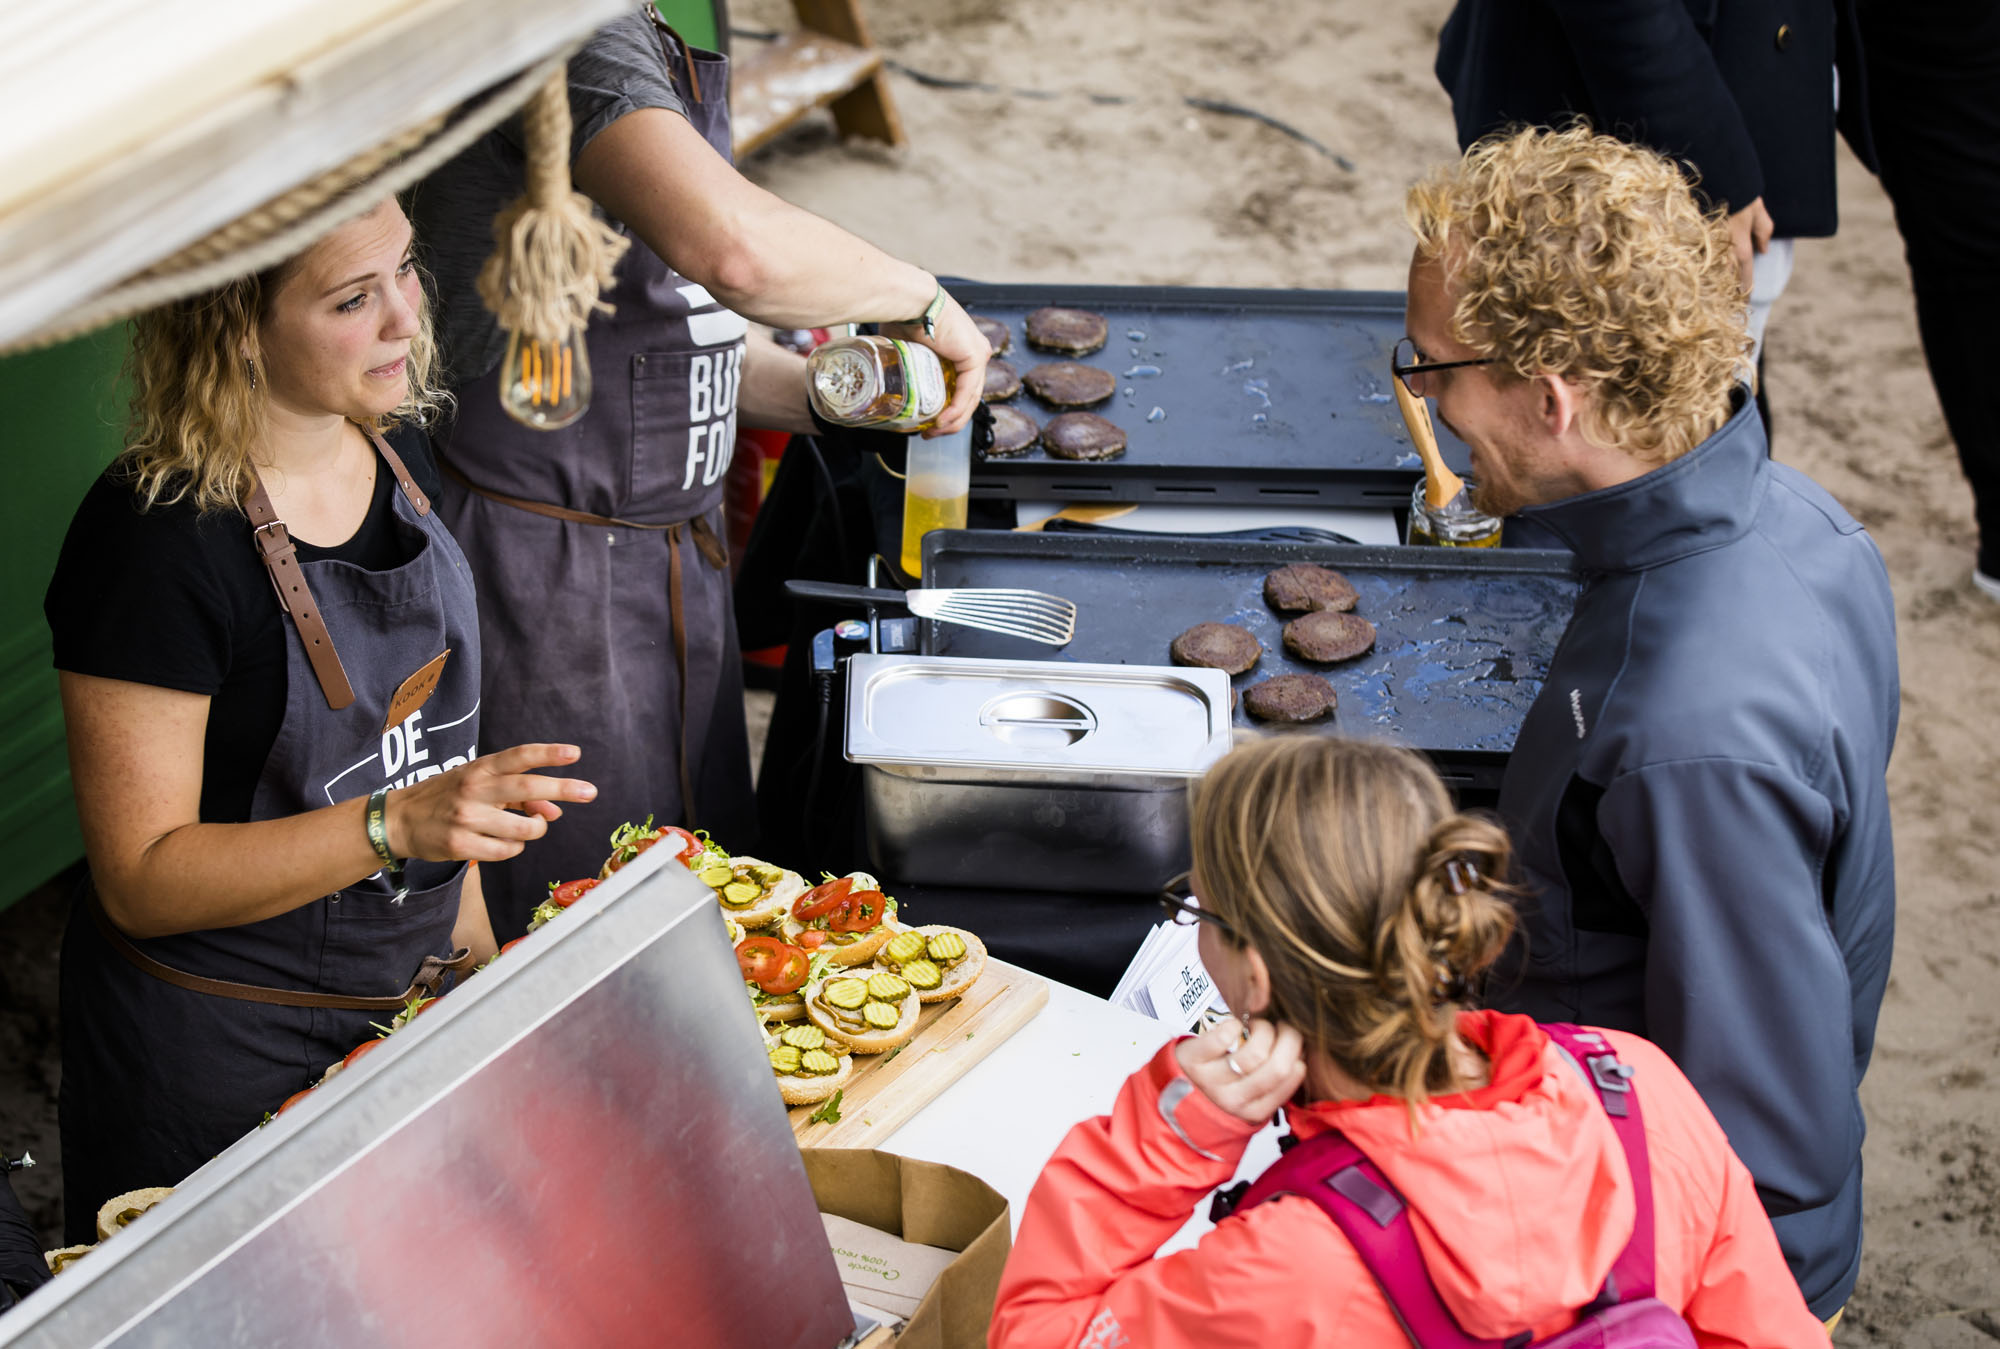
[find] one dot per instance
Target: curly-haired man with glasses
(1698, 793)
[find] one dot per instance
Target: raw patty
(994, 331)
(1302, 587)
(1082, 435)
(1220, 646)
(1290, 697)
(1014, 433)
(1327, 637)
(1065, 384)
(1002, 381)
(1076, 331)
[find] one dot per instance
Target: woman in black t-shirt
(253, 775)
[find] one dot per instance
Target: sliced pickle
(881, 1015)
(818, 1063)
(846, 993)
(741, 892)
(946, 946)
(785, 1059)
(887, 987)
(715, 877)
(904, 946)
(769, 875)
(804, 1037)
(922, 974)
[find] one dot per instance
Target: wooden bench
(828, 62)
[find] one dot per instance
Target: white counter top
(1002, 1119)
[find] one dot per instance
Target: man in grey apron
(174, 1047)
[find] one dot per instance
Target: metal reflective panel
(582, 1146)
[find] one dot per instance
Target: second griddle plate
(1266, 397)
(1464, 636)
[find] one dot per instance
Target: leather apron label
(415, 691)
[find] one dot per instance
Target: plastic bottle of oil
(879, 383)
(936, 489)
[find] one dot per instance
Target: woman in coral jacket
(1345, 909)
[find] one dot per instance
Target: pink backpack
(1336, 1175)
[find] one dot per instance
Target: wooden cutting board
(887, 1090)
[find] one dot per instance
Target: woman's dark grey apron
(603, 582)
(158, 1077)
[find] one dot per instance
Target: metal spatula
(1031, 614)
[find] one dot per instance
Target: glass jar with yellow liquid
(1459, 525)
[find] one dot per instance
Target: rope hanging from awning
(289, 224)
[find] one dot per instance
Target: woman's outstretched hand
(486, 810)
(1247, 1069)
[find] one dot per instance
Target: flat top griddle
(1464, 636)
(1228, 396)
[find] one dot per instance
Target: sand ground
(1146, 190)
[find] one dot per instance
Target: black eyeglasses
(1186, 912)
(1406, 360)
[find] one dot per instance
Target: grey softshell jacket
(1698, 798)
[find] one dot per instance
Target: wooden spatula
(1441, 485)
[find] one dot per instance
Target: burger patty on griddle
(1290, 697)
(1327, 636)
(1302, 587)
(1219, 646)
(1082, 435)
(1014, 433)
(1075, 331)
(1065, 384)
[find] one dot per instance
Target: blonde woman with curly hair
(1484, 1178)
(269, 659)
(1698, 793)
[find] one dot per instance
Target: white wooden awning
(132, 129)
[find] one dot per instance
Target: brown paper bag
(937, 1206)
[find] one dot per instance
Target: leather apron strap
(281, 560)
(711, 548)
(430, 974)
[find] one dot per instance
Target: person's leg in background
(1934, 106)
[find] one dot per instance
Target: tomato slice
(821, 899)
(812, 938)
(858, 912)
(569, 892)
(294, 1099)
(772, 965)
(358, 1051)
(510, 946)
(690, 846)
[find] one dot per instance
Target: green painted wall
(692, 19)
(64, 413)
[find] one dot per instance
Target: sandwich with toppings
(562, 894)
(868, 1011)
(629, 840)
(939, 962)
(776, 973)
(753, 893)
(808, 1064)
(849, 918)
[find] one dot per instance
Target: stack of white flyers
(1166, 981)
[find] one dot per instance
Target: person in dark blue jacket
(1697, 795)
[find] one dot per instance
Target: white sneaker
(1988, 584)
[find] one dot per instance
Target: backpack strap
(1632, 1275)
(1336, 1175)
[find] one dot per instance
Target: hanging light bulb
(545, 385)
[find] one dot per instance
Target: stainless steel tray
(581, 1146)
(1033, 775)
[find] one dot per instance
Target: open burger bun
(798, 1089)
(858, 952)
(782, 1011)
(124, 1208)
(57, 1260)
(964, 974)
(777, 898)
(859, 1041)
(955, 978)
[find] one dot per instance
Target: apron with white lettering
(614, 632)
(158, 1078)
